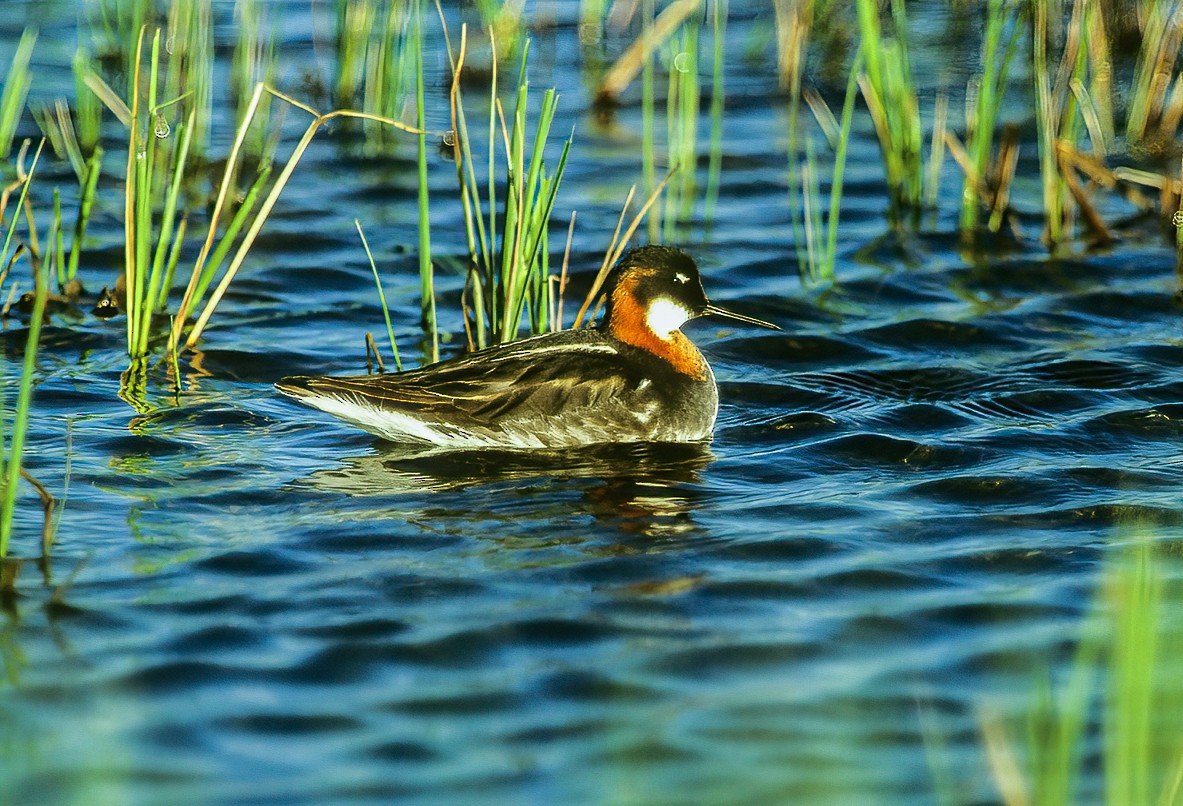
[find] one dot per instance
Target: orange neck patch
(628, 325)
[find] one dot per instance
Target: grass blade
(381, 296)
(16, 89)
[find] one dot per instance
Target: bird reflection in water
(645, 489)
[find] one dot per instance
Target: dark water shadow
(643, 491)
(395, 468)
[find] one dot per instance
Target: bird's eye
(681, 278)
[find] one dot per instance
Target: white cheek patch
(665, 316)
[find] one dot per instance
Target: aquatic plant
(381, 298)
(426, 268)
(808, 230)
(158, 152)
(591, 20)
(217, 258)
(794, 21)
(190, 65)
(1131, 646)
(936, 150)
(890, 95)
(1155, 102)
(998, 50)
(355, 23)
(199, 276)
(506, 24)
(1066, 110)
(13, 434)
(674, 35)
(115, 26)
(88, 109)
(648, 109)
(1177, 221)
(398, 54)
(800, 191)
(152, 191)
(16, 89)
(818, 258)
(718, 102)
(1054, 117)
(255, 61)
(677, 30)
(1073, 86)
(681, 119)
(375, 63)
(508, 275)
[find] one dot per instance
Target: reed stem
(11, 465)
(426, 271)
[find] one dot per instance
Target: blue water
(900, 521)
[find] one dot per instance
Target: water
(899, 522)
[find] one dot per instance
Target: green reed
(152, 192)
(88, 109)
(26, 179)
(226, 242)
(793, 26)
(508, 275)
(17, 82)
(161, 142)
(1058, 120)
(649, 115)
(891, 100)
(118, 26)
(680, 29)
(998, 51)
(1154, 98)
(391, 62)
(682, 110)
(375, 60)
(718, 103)
(505, 22)
(14, 441)
(794, 21)
(159, 147)
(57, 125)
(591, 19)
(841, 143)
(817, 245)
(1177, 221)
(56, 240)
(529, 201)
(1143, 758)
(1101, 77)
(1048, 120)
(669, 27)
(198, 276)
(255, 60)
(936, 149)
(355, 22)
(810, 226)
(190, 69)
(381, 297)
(426, 268)
(1132, 650)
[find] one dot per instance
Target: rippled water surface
(900, 518)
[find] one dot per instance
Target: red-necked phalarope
(635, 378)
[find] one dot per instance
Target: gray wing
(514, 389)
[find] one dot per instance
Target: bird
(634, 378)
